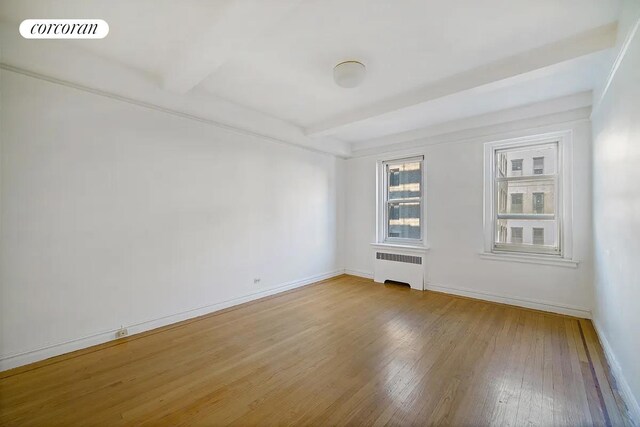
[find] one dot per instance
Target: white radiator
(399, 265)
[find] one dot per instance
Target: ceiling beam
(495, 73)
(240, 23)
(577, 101)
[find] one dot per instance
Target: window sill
(400, 247)
(530, 259)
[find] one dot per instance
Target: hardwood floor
(345, 351)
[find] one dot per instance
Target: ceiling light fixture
(349, 73)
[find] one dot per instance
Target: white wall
(454, 197)
(616, 212)
(113, 214)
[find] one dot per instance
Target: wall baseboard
(569, 310)
(24, 358)
(358, 273)
(581, 312)
(633, 405)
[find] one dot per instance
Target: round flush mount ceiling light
(349, 73)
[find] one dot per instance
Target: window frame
(538, 169)
(521, 247)
(382, 201)
(563, 202)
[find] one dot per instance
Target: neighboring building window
(538, 236)
(538, 165)
(538, 203)
(516, 202)
(531, 214)
(403, 200)
(516, 235)
(516, 165)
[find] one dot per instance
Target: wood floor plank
(611, 408)
(346, 351)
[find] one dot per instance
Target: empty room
(319, 212)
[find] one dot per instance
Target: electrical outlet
(256, 281)
(121, 333)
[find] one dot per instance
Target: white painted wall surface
(616, 213)
(113, 214)
(454, 205)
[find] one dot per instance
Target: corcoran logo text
(64, 29)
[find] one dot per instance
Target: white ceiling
(559, 80)
(428, 62)
(404, 44)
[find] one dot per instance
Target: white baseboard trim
(632, 404)
(24, 358)
(552, 307)
(358, 273)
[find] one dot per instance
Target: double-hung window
(529, 172)
(538, 165)
(402, 201)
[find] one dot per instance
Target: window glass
(403, 199)
(525, 199)
(404, 220)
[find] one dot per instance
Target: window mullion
(525, 178)
(411, 200)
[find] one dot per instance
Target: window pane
(525, 196)
(527, 161)
(404, 180)
(525, 199)
(533, 233)
(404, 220)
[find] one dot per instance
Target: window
(516, 234)
(538, 203)
(530, 215)
(516, 202)
(402, 198)
(516, 165)
(538, 165)
(538, 236)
